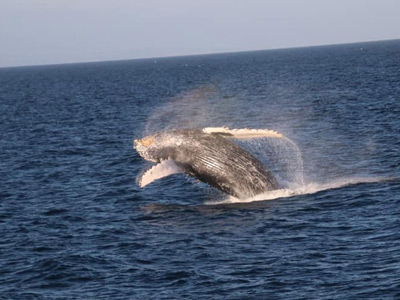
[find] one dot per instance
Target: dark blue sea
(74, 224)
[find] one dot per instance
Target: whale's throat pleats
(225, 165)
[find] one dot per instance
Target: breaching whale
(209, 155)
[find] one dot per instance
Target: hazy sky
(59, 31)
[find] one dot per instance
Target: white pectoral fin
(160, 170)
(244, 133)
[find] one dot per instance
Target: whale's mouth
(142, 146)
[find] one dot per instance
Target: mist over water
(196, 108)
(206, 106)
(74, 223)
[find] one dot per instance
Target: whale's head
(157, 147)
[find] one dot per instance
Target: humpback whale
(211, 156)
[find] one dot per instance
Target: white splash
(305, 189)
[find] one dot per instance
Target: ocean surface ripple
(74, 224)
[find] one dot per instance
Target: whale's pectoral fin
(243, 133)
(160, 170)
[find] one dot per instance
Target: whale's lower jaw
(219, 162)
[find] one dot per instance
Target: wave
(309, 188)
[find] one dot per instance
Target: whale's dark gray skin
(211, 158)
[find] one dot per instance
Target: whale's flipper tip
(160, 170)
(243, 133)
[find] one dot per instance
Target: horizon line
(193, 54)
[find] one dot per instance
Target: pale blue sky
(36, 32)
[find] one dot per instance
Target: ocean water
(74, 224)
